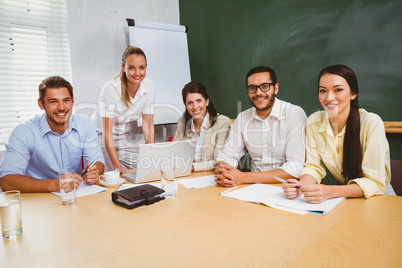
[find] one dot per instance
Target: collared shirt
(276, 142)
(199, 138)
(213, 142)
(34, 150)
(325, 150)
(112, 106)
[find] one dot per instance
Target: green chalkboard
(297, 39)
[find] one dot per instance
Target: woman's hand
(316, 193)
(290, 190)
(121, 170)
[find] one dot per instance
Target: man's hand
(77, 180)
(67, 187)
(227, 175)
(92, 174)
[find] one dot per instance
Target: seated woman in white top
(121, 103)
(348, 141)
(203, 123)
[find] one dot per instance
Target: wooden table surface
(200, 228)
(371, 236)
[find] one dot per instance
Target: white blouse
(199, 139)
(112, 106)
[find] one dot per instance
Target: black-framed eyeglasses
(263, 87)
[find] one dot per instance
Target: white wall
(98, 36)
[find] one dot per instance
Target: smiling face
(262, 101)
(335, 96)
(135, 69)
(196, 105)
(58, 105)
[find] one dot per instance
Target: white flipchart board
(168, 65)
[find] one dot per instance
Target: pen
(224, 192)
(83, 173)
(282, 180)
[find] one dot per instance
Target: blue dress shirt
(34, 150)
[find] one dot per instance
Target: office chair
(396, 176)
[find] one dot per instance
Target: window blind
(33, 45)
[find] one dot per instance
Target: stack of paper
(199, 182)
(273, 196)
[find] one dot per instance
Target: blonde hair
(130, 50)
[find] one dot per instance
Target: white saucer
(121, 181)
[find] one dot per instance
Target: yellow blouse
(325, 150)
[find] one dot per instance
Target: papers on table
(199, 182)
(269, 195)
(188, 183)
(195, 183)
(273, 196)
(254, 193)
(130, 185)
(301, 203)
(86, 189)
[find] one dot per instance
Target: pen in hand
(86, 170)
(282, 180)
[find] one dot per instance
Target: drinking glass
(67, 187)
(168, 182)
(10, 213)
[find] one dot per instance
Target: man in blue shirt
(55, 141)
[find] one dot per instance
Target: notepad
(273, 196)
(86, 189)
(281, 202)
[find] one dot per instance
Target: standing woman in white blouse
(201, 122)
(121, 103)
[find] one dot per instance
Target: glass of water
(10, 214)
(67, 187)
(168, 182)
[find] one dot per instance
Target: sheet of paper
(199, 182)
(254, 193)
(273, 196)
(274, 201)
(86, 189)
(296, 211)
(130, 185)
(302, 204)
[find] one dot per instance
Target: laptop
(152, 157)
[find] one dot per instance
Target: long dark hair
(352, 149)
(197, 87)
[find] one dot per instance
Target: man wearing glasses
(272, 132)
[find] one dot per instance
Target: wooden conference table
(200, 228)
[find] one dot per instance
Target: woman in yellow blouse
(348, 141)
(202, 123)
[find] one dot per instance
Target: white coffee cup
(111, 176)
